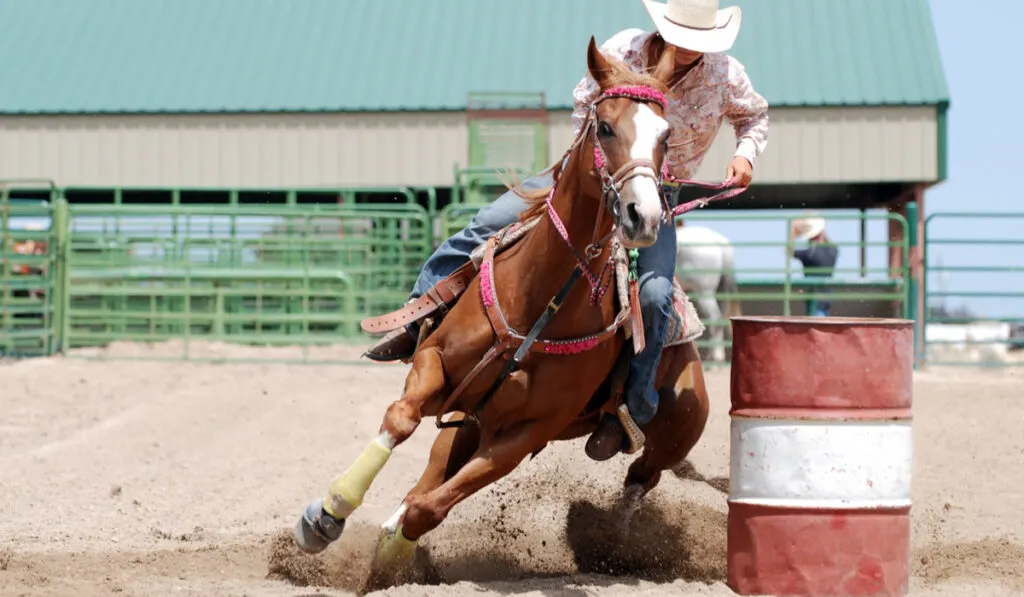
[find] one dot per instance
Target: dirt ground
(155, 479)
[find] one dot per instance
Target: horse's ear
(666, 64)
(600, 68)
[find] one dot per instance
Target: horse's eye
(605, 131)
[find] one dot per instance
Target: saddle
(684, 325)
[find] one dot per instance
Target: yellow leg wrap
(394, 549)
(347, 491)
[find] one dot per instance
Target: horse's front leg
(324, 518)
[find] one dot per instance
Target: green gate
(507, 131)
(985, 275)
(29, 269)
(276, 276)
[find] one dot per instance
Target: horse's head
(630, 137)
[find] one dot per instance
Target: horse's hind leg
(682, 415)
(324, 519)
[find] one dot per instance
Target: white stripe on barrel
(821, 464)
(821, 456)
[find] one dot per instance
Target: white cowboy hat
(696, 25)
(808, 228)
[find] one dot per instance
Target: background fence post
(915, 315)
(60, 226)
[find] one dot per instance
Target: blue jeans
(655, 265)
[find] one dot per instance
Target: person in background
(818, 258)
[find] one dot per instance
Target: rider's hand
(739, 173)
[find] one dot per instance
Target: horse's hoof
(629, 503)
(316, 529)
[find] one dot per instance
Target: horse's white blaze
(649, 127)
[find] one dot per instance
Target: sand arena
(163, 478)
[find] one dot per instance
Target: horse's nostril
(632, 215)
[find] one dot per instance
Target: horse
(705, 266)
(509, 392)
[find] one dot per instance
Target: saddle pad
(507, 236)
(685, 325)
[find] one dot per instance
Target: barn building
(282, 94)
(256, 101)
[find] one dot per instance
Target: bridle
(612, 185)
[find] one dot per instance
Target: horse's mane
(620, 75)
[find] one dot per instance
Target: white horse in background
(705, 266)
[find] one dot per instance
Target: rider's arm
(748, 113)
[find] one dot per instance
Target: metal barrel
(821, 456)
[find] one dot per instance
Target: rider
(706, 86)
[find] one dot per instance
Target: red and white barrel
(821, 456)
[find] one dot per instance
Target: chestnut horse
(563, 374)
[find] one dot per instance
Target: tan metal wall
(314, 150)
(811, 145)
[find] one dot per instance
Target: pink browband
(639, 93)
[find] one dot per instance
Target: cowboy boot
(614, 435)
(398, 344)
(607, 440)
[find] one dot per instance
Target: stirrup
(633, 432)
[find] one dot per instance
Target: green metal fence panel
(479, 185)
(239, 274)
(506, 130)
(29, 271)
(974, 289)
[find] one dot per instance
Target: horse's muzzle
(639, 222)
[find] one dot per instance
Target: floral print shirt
(717, 87)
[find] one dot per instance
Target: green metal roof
(93, 56)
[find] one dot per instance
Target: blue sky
(979, 43)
